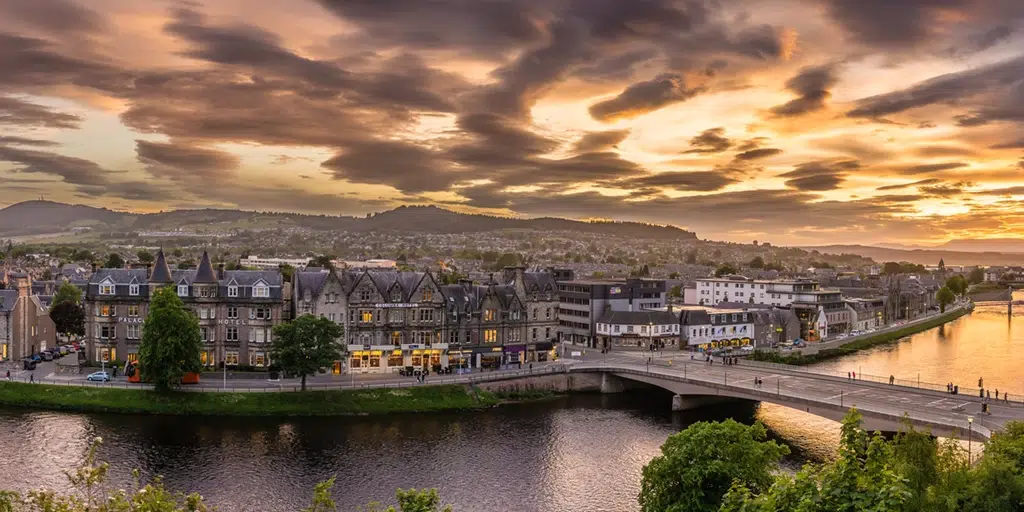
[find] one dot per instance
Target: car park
(98, 376)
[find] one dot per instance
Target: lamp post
(650, 336)
(970, 434)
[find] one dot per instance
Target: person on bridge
(997, 393)
(892, 379)
(848, 376)
(981, 382)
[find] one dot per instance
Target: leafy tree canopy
(945, 297)
(725, 269)
(697, 466)
(67, 293)
(305, 345)
(68, 318)
(171, 342)
(145, 256)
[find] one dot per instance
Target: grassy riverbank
(310, 403)
(799, 359)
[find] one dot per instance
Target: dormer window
(106, 289)
(232, 291)
(182, 290)
(133, 289)
(261, 291)
(364, 294)
(428, 294)
(396, 296)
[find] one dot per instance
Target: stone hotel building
(237, 310)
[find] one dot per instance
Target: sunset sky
(793, 121)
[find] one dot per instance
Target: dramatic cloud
(812, 87)
(644, 97)
(691, 112)
(819, 175)
(712, 140)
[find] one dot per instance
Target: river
(581, 452)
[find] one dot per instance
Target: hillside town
(395, 316)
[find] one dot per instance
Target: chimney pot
(220, 270)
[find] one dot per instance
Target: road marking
(846, 394)
(936, 402)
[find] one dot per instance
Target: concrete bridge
(883, 406)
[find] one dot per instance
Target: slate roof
(385, 281)
(469, 298)
(638, 317)
(312, 281)
(205, 273)
(7, 300)
(121, 278)
(541, 280)
(161, 272)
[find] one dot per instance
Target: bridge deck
(799, 389)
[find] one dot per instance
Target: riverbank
(800, 359)
(310, 403)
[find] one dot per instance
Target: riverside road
(818, 392)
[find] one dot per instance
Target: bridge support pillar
(686, 402)
(677, 403)
(612, 384)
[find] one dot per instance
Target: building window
(231, 358)
(233, 312)
(257, 359)
(514, 314)
(259, 313)
(426, 315)
(453, 337)
(428, 294)
(547, 314)
(261, 291)
(364, 294)
(133, 332)
(133, 289)
(396, 316)
(203, 313)
(547, 333)
(108, 332)
(232, 291)
(182, 290)
(106, 289)
(366, 317)
(629, 328)
(513, 335)
(489, 315)
(617, 328)
(204, 334)
(533, 334)
(232, 335)
(133, 310)
(396, 338)
(490, 336)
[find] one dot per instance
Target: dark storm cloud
(406, 167)
(1012, 144)
(756, 154)
(946, 189)
(192, 161)
(820, 175)
(598, 141)
(927, 168)
(700, 181)
(615, 68)
(930, 181)
(28, 63)
(14, 111)
(59, 16)
(894, 24)
(75, 171)
(712, 140)
(943, 89)
(811, 85)
(23, 141)
(644, 97)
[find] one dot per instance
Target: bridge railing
(966, 392)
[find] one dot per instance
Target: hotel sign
(385, 305)
(130, 320)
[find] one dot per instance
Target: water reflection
(575, 453)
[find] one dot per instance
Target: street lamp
(970, 432)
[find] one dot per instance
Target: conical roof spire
(161, 272)
(205, 273)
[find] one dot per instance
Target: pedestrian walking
(988, 395)
(854, 375)
(848, 376)
(892, 378)
(1006, 397)
(997, 393)
(981, 382)
(8, 375)
(31, 377)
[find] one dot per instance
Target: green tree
(82, 255)
(170, 341)
(976, 276)
(68, 318)
(945, 297)
(697, 466)
(413, 500)
(323, 261)
(862, 478)
(186, 264)
(725, 269)
(287, 271)
(145, 256)
(674, 275)
(757, 262)
(114, 260)
(305, 345)
(676, 291)
(891, 267)
(67, 293)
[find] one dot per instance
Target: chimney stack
(220, 270)
(94, 267)
(149, 270)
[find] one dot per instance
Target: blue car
(99, 376)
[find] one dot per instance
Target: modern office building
(582, 302)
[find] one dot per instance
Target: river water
(582, 452)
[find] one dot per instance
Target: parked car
(29, 363)
(98, 376)
(46, 356)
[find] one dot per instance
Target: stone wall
(557, 383)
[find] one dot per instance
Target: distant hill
(37, 217)
(923, 256)
(1015, 245)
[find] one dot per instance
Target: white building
(359, 265)
(637, 329)
(707, 328)
(714, 291)
(274, 263)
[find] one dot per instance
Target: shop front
(515, 354)
(488, 357)
(543, 351)
(368, 359)
(722, 344)
(431, 357)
